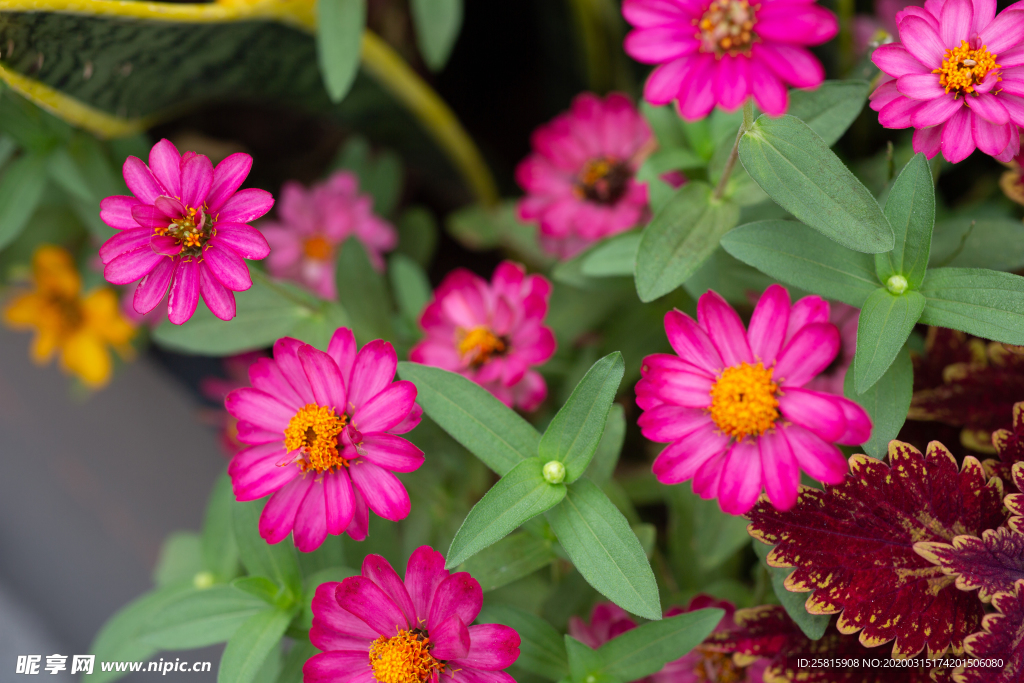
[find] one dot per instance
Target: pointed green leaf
(886, 402)
(573, 434)
(410, 285)
(604, 549)
(813, 625)
(793, 253)
(291, 668)
(985, 303)
(363, 293)
(275, 561)
(180, 559)
(644, 650)
(250, 647)
(21, 188)
(541, 648)
(995, 243)
(508, 560)
(910, 209)
(886, 320)
(201, 618)
(798, 170)
(613, 257)
(339, 37)
(472, 416)
(830, 108)
(437, 26)
(585, 663)
(608, 450)
(219, 548)
(518, 497)
(65, 172)
(680, 238)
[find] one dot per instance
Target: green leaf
(312, 582)
(339, 38)
(680, 238)
(201, 618)
(21, 188)
(417, 235)
(910, 209)
(510, 559)
(318, 328)
(472, 416)
(613, 257)
(830, 108)
(996, 243)
(291, 669)
(793, 253)
(410, 285)
(604, 549)
(573, 434)
(180, 559)
(380, 174)
(437, 25)
(519, 496)
(541, 648)
(717, 535)
(277, 561)
(798, 170)
(363, 293)
(65, 172)
(985, 303)
(813, 625)
(886, 402)
(219, 548)
(265, 313)
(645, 649)
(585, 663)
(260, 587)
(249, 648)
(607, 455)
(886, 320)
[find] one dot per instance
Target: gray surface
(89, 488)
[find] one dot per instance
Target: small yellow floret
(314, 430)
(317, 248)
(479, 344)
(744, 401)
(964, 68)
(404, 658)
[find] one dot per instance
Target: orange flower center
(314, 430)
(404, 658)
(727, 26)
(963, 68)
(717, 667)
(318, 248)
(603, 180)
(191, 231)
(479, 344)
(744, 400)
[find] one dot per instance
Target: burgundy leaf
(990, 564)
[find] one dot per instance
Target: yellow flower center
(964, 68)
(727, 26)
(191, 231)
(479, 344)
(717, 667)
(744, 402)
(404, 658)
(603, 180)
(314, 430)
(317, 248)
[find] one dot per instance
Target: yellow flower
(79, 327)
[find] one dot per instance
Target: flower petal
(184, 292)
(392, 452)
(989, 107)
(780, 470)
(141, 181)
(450, 639)
(246, 206)
(769, 92)
(339, 501)
(957, 137)
(342, 349)
(1005, 31)
(254, 471)
(260, 408)
(366, 600)
(809, 352)
(310, 528)
(691, 342)
(820, 460)
(896, 60)
(815, 411)
(165, 164)
(681, 460)
(196, 179)
(324, 378)
(459, 594)
(386, 409)
(116, 212)
(725, 328)
(492, 647)
(667, 423)
(956, 20)
(741, 478)
(936, 111)
(278, 516)
(380, 571)
(124, 241)
(338, 666)
(131, 265)
(991, 138)
(920, 86)
(858, 423)
(244, 239)
(768, 324)
(228, 176)
(423, 575)
(218, 298)
(228, 267)
(383, 492)
(922, 41)
(372, 372)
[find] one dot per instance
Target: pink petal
(681, 460)
(423, 575)
(245, 206)
(339, 501)
(989, 107)
(667, 423)
(899, 113)
(809, 352)
(810, 309)
(450, 639)
(660, 44)
(372, 372)
(733, 83)
(920, 86)
(328, 614)
(928, 141)
(116, 212)
(227, 177)
(196, 179)
(286, 355)
(460, 595)
(666, 81)
(251, 434)
(922, 41)
(167, 207)
(259, 408)
(957, 137)
(895, 60)
(1014, 105)
(391, 452)
(218, 298)
(365, 599)
(803, 23)
(244, 239)
(1005, 31)
(477, 676)
(184, 292)
(380, 571)
(386, 409)
(131, 265)
(991, 138)
(707, 478)
(687, 389)
(228, 267)
(338, 667)
(153, 287)
(383, 492)
(691, 342)
(768, 324)
(644, 13)
(342, 349)
(697, 96)
(820, 460)
(278, 516)
(818, 412)
(741, 478)
(955, 24)
(255, 473)
(725, 328)
(492, 647)
(165, 245)
(127, 240)
(266, 374)
(311, 519)
(858, 423)
(165, 164)
(769, 92)
(793, 64)
(360, 524)
(324, 378)
(141, 181)
(936, 111)
(779, 469)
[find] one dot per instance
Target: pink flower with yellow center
(312, 225)
(321, 430)
(732, 406)
(491, 333)
(184, 232)
(580, 179)
(720, 52)
(956, 77)
(378, 628)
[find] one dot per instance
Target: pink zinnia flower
(321, 429)
(732, 406)
(491, 333)
(831, 379)
(723, 51)
(313, 223)
(580, 180)
(956, 77)
(185, 227)
(378, 628)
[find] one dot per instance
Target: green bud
(896, 284)
(203, 580)
(554, 472)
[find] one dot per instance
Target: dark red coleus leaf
(1015, 501)
(990, 564)
(943, 347)
(1009, 445)
(770, 633)
(853, 545)
(1001, 638)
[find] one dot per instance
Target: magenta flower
(956, 78)
(491, 333)
(184, 228)
(314, 222)
(831, 379)
(607, 621)
(723, 51)
(376, 628)
(732, 406)
(580, 180)
(321, 429)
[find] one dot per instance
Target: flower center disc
(744, 402)
(314, 430)
(964, 68)
(603, 180)
(191, 231)
(317, 248)
(479, 344)
(717, 667)
(404, 658)
(727, 26)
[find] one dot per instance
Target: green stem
(748, 121)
